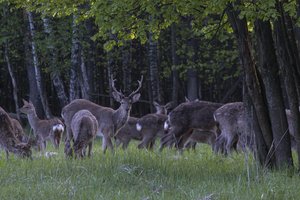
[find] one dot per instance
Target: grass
(134, 174)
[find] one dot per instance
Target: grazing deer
(110, 121)
(186, 117)
(128, 132)
(199, 136)
(231, 122)
(47, 129)
(151, 125)
(18, 130)
(8, 141)
(84, 128)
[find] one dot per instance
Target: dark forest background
(219, 50)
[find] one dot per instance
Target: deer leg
(106, 143)
(90, 149)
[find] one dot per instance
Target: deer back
(84, 125)
(195, 114)
(230, 117)
(129, 130)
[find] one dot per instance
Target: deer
(43, 129)
(230, 120)
(199, 136)
(84, 126)
(110, 121)
(127, 133)
(8, 140)
(185, 118)
(151, 125)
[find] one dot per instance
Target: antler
(114, 88)
(139, 87)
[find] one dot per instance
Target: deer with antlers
(110, 121)
(43, 129)
(8, 140)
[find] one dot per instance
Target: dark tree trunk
(153, 69)
(126, 67)
(287, 63)
(252, 127)
(269, 70)
(175, 74)
(192, 84)
(253, 83)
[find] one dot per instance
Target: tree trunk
(75, 62)
(126, 67)
(153, 69)
(175, 74)
(253, 83)
(269, 70)
(287, 63)
(34, 96)
(37, 71)
(55, 73)
(85, 87)
(13, 79)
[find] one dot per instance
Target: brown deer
(128, 132)
(8, 141)
(151, 125)
(110, 121)
(186, 117)
(46, 129)
(199, 136)
(231, 122)
(84, 128)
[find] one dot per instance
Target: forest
(53, 52)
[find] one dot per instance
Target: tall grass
(139, 174)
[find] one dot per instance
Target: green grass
(135, 174)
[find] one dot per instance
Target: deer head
(126, 102)
(27, 108)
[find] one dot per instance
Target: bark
(175, 74)
(75, 61)
(252, 127)
(85, 87)
(55, 73)
(192, 84)
(126, 67)
(269, 70)
(37, 70)
(153, 69)
(13, 79)
(34, 96)
(287, 64)
(253, 84)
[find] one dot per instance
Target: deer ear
(136, 97)
(24, 101)
(155, 103)
(117, 96)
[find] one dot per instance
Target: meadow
(144, 175)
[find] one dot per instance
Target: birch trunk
(55, 74)
(13, 79)
(75, 62)
(37, 71)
